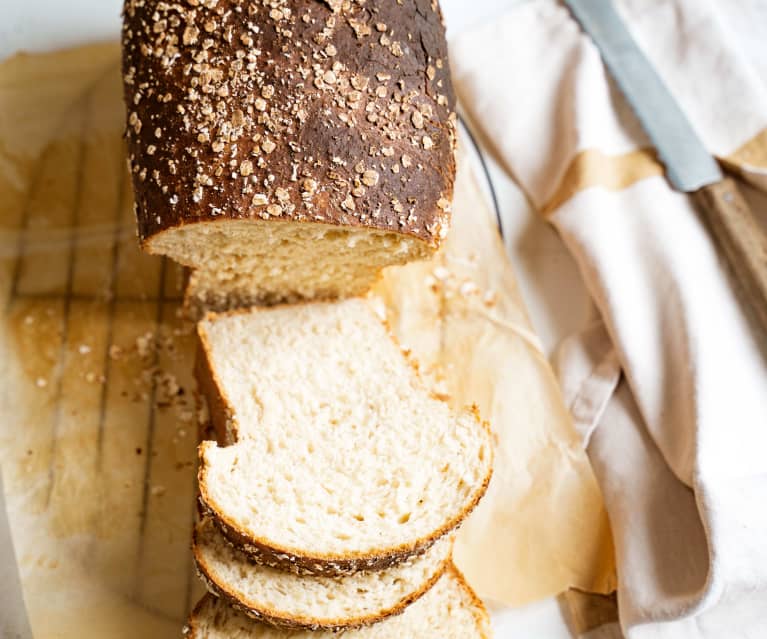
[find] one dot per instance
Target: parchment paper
(541, 527)
(98, 417)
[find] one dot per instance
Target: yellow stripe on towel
(592, 168)
(613, 172)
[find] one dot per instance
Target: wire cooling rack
(103, 398)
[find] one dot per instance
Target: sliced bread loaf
(309, 602)
(340, 460)
(289, 149)
(450, 610)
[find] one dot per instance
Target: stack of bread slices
(329, 498)
(286, 151)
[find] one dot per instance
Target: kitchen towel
(668, 383)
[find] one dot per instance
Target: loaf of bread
(329, 603)
(450, 610)
(339, 459)
(288, 149)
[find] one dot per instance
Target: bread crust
(478, 609)
(269, 553)
(199, 301)
(220, 414)
(297, 622)
(337, 113)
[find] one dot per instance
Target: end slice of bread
(309, 602)
(247, 263)
(449, 610)
(339, 459)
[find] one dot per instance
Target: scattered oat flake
(490, 298)
(370, 178)
(144, 344)
(190, 35)
(41, 382)
(441, 273)
(467, 288)
(348, 203)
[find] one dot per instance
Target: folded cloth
(669, 385)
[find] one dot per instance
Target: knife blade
(688, 164)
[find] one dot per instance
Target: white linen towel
(669, 385)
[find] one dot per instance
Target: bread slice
(450, 610)
(285, 599)
(260, 283)
(254, 262)
(340, 460)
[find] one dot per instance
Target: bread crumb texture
(284, 598)
(341, 454)
(450, 610)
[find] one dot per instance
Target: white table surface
(548, 278)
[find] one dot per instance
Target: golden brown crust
(273, 617)
(221, 415)
(270, 553)
(478, 608)
(289, 110)
(190, 630)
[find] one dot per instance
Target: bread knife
(689, 166)
(14, 623)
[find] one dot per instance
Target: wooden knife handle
(741, 239)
